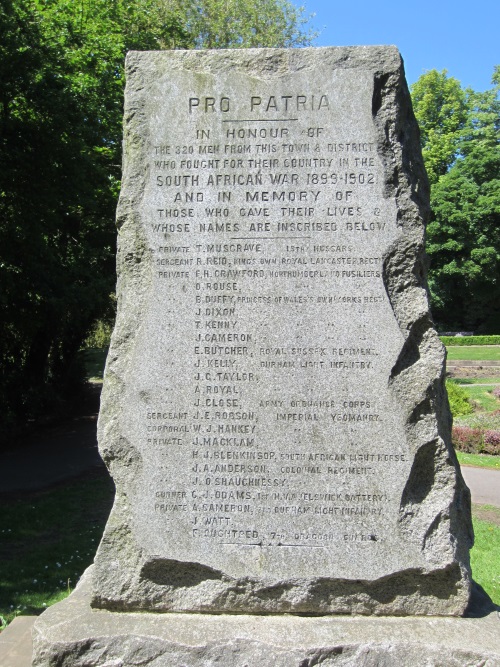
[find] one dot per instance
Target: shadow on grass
(480, 604)
(48, 538)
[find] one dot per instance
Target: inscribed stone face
(273, 413)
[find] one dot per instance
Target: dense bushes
(466, 439)
(491, 441)
(459, 401)
(476, 440)
(100, 336)
(478, 433)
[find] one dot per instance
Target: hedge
(452, 341)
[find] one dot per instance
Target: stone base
(71, 634)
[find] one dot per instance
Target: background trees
(61, 67)
(220, 24)
(460, 134)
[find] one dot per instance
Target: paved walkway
(484, 485)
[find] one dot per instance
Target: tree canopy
(460, 134)
(441, 109)
(217, 24)
(61, 67)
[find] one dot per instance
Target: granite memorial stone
(273, 412)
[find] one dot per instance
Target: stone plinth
(71, 633)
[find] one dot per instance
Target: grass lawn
(485, 555)
(479, 460)
(47, 539)
(483, 397)
(94, 359)
(475, 352)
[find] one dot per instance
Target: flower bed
(476, 440)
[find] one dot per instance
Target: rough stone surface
(273, 412)
(71, 633)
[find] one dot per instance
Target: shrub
(100, 336)
(491, 442)
(469, 440)
(459, 402)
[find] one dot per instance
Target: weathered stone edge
(435, 506)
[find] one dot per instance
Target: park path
(484, 485)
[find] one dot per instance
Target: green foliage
(461, 341)
(464, 238)
(57, 198)
(216, 24)
(459, 403)
(485, 557)
(61, 101)
(100, 336)
(460, 133)
(440, 107)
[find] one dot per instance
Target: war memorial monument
(274, 413)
